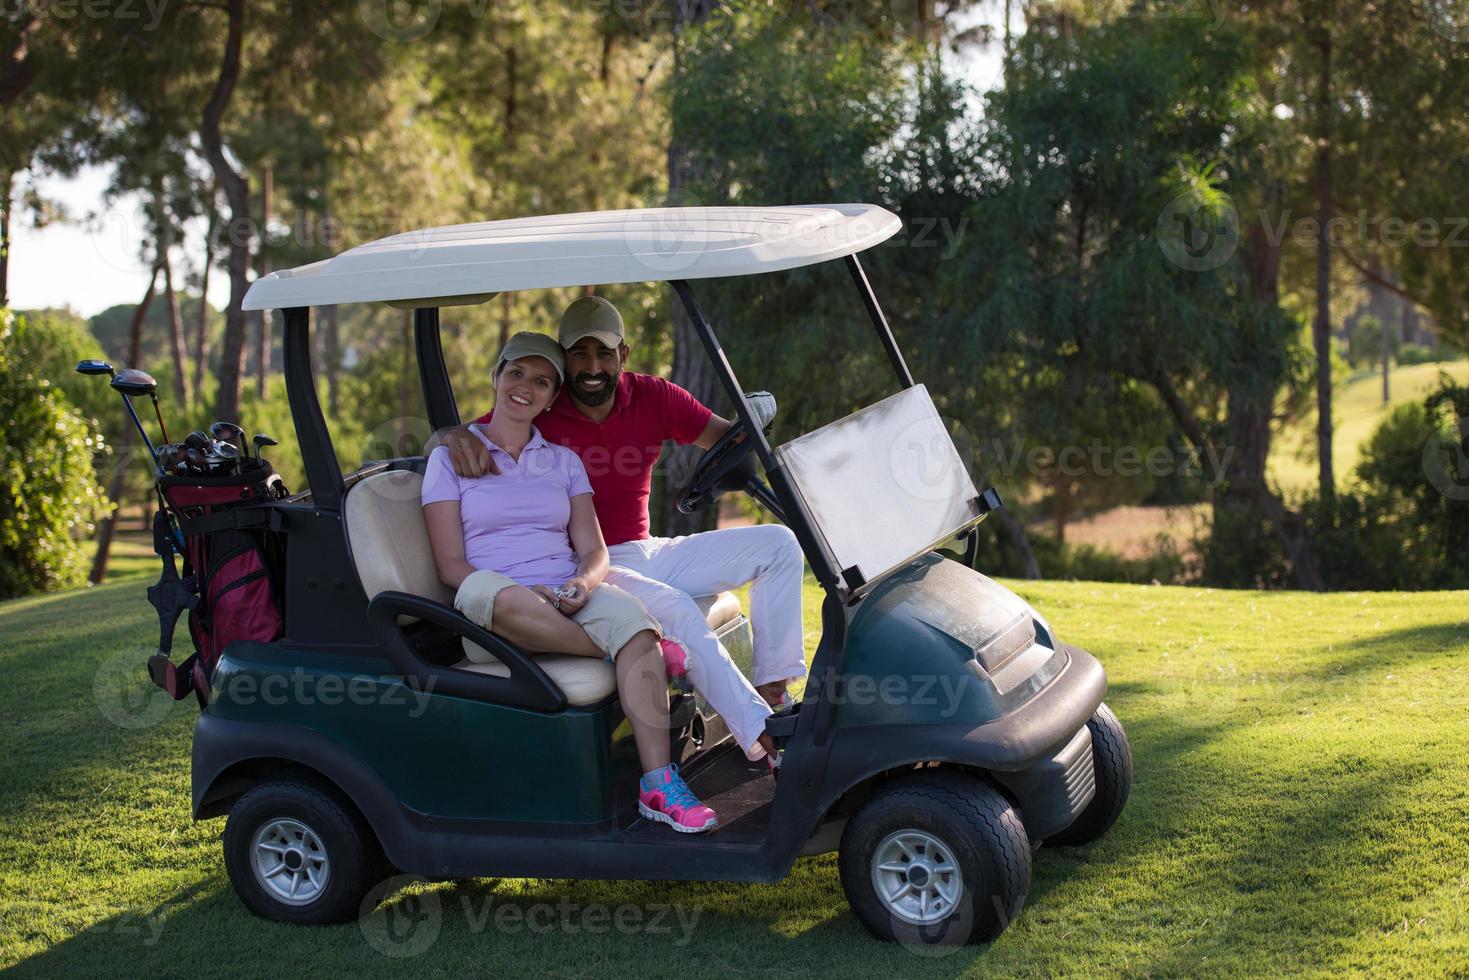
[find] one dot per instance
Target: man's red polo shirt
(619, 453)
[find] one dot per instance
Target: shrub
(1418, 354)
(1405, 524)
(49, 496)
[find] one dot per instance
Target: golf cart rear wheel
(936, 859)
(1112, 762)
(297, 852)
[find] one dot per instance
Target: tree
(1104, 246)
(48, 495)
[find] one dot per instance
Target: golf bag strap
(233, 518)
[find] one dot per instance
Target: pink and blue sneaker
(665, 797)
(675, 657)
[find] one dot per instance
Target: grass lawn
(1357, 410)
(1299, 805)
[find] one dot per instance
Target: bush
(1418, 354)
(1405, 524)
(49, 496)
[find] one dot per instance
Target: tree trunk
(117, 484)
(1322, 327)
(6, 180)
(237, 193)
(262, 269)
(201, 327)
(402, 433)
(507, 306)
(1412, 325)
(176, 351)
(332, 359)
(1243, 498)
(1015, 529)
(1386, 362)
(691, 368)
(17, 72)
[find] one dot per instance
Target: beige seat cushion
(584, 680)
(389, 539)
(390, 547)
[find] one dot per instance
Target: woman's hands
(566, 604)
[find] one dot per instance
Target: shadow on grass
(560, 928)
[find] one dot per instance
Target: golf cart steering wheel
(727, 466)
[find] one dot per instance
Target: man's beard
(593, 398)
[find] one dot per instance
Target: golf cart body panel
(469, 263)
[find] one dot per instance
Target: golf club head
(94, 367)
(197, 440)
(132, 382)
(261, 440)
(226, 431)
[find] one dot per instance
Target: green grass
(1357, 409)
(1299, 807)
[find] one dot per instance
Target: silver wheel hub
(289, 861)
(916, 877)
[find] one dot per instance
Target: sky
(91, 262)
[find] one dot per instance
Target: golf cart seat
(390, 547)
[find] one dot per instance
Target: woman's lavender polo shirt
(515, 523)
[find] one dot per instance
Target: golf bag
(231, 544)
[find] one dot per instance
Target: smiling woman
(522, 548)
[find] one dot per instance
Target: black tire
(968, 817)
(1112, 761)
(354, 861)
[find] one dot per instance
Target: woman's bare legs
(642, 684)
(529, 621)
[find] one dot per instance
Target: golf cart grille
(1081, 777)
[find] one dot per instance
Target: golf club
(229, 432)
(94, 367)
(260, 440)
(129, 383)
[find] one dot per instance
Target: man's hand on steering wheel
(726, 465)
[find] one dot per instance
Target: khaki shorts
(611, 617)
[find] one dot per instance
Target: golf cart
(945, 731)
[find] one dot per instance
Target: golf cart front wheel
(296, 852)
(936, 859)
(1112, 762)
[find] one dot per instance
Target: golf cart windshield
(883, 484)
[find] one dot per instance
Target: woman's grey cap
(527, 344)
(592, 316)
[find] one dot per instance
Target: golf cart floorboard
(738, 790)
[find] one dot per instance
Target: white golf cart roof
(459, 264)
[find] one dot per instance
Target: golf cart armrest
(528, 686)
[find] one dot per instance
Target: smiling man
(617, 420)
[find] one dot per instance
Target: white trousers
(664, 573)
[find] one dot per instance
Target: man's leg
(766, 555)
(711, 670)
